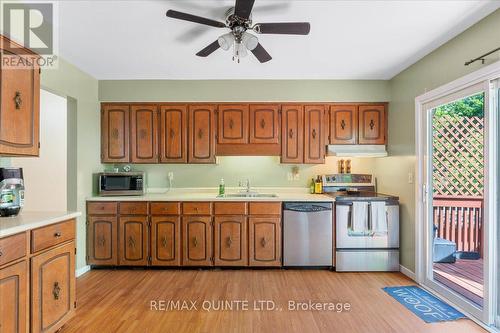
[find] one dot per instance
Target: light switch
(410, 177)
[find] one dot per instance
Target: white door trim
(485, 75)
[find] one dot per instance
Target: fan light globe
(250, 41)
(226, 41)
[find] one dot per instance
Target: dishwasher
(307, 234)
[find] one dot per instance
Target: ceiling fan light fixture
(226, 41)
(250, 41)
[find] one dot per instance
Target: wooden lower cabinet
(230, 241)
(197, 241)
(14, 298)
(52, 288)
(165, 241)
(133, 241)
(264, 241)
(102, 244)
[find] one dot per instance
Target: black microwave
(121, 183)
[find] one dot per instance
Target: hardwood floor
(119, 301)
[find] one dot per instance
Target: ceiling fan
(239, 21)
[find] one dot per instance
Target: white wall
(45, 177)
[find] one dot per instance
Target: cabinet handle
(195, 242)
(18, 100)
(314, 133)
(229, 241)
(231, 123)
(114, 133)
(101, 241)
(200, 133)
(1, 253)
(57, 234)
(164, 241)
(372, 124)
(262, 123)
(56, 291)
(263, 242)
(342, 124)
(290, 133)
(172, 133)
(131, 241)
(143, 133)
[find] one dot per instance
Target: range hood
(356, 150)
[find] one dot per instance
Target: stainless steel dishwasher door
(307, 234)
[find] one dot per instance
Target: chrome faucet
(247, 185)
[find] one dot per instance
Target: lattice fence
(458, 155)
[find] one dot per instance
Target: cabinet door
(343, 124)
(133, 241)
(144, 133)
(314, 136)
(372, 125)
(265, 241)
(52, 288)
(102, 240)
(173, 134)
(165, 241)
(197, 241)
(292, 134)
(201, 134)
(231, 241)
(14, 298)
(233, 123)
(264, 123)
(19, 105)
(115, 133)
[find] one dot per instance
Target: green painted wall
(443, 65)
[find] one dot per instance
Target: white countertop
(32, 220)
(210, 194)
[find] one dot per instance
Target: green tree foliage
(472, 106)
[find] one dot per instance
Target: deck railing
(460, 219)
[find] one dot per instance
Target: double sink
(248, 195)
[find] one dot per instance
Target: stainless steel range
(367, 224)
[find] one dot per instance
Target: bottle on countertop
(312, 186)
(222, 187)
(341, 166)
(318, 186)
(348, 166)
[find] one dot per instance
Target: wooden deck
(464, 277)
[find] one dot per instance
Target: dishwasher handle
(307, 207)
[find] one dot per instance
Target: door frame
(423, 242)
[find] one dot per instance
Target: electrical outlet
(289, 176)
(170, 176)
(296, 176)
(410, 177)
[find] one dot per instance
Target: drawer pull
(1, 253)
(263, 242)
(372, 124)
(231, 123)
(314, 133)
(195, 242)
(262, 123)
(57, 234)
(131, 242)
(56, 291)
(164, 241)
(101, 241)
(229, 241)
(342, 124)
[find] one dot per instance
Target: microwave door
(116, 183)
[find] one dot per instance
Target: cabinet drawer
(12, 248)
(165, 208)
(102, 208)
(230, 208)
(133, 208)
(264, 208)
(196, 208)
(51, 235)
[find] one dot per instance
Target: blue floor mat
(429, 308)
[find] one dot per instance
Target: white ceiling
(348, 39)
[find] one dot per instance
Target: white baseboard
(81, 271)
(407, 272)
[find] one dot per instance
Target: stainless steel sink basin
(248, 195)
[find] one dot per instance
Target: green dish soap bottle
(312, 187)
(222, 187)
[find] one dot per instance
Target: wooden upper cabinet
(343, 124)
(115, 133)
(231, 241)
(14, 298)
(165, 240)
(314, 134)
(173, 134)
(201, 134)
(233, 123)
(372, 124)
(102, 239)
(144, 133)
(264, 123)
(53, 288)
(292, 134)
(133, 241)
(197, 241)
(19, 101)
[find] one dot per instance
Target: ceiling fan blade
(286, 28)
(243, 8)
(261, 54)
(209, 49)
(193, 18)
